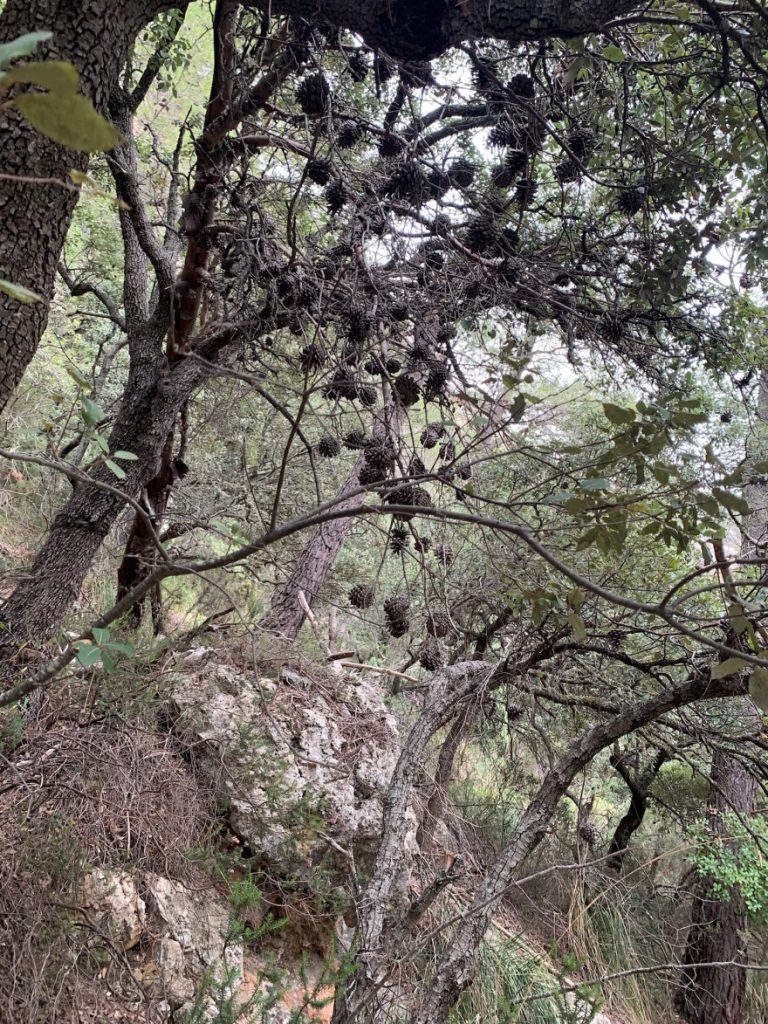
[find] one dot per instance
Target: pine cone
(355, 440)
(312, 358)
(431, 435)
(396, 612)
(581, 143)
(313, 95)
(526, 190)
(416, 467)
(319, 171)
(361, 595)
(631, 200)
(567, 171)
(589, 833)
(367, 395)
(406, 182)
(390, 146)
(462, 173)
(335, 196)
(357, 65)
(398, 540)
(436, 381)
(328, 447)
(406, 390)
(523, 86)
(482, 233)
(439, 624)
(430, 656)
(349, 134)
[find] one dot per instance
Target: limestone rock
(195, 942)
(111, 897)
(291, 762)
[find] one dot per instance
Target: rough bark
(95, 35)
(422, 29)
(286, 616)
(715, 995)
(369, 996)
(37, 606)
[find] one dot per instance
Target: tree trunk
(37, 606)
(631, 821)
(286, 616)
(422, 29)
(715, 995)
(95, 35)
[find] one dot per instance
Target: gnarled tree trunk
(95, 35)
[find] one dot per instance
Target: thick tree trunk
(37, 606)
(715, 995)
(421, 29)
(95, 35)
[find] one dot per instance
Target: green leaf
(121, 648)
(595, 483)
(23, 46)
(126, 456)
(77, 377)
(100, 635)
(576, 598)
(117, 470)
(57, 75)
(91, 412)
(87, 654)
(733, 502)
(558, 496)
(617, 414)
(108, 662)
(70, 120)
(576, 623)
(758, 688)
(615, 54)
(101, 441)
(729, 667)
(19, 292)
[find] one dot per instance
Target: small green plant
(734, 860)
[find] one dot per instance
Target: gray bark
(95, 35)
(370, 992)
(422, 29)
(456, 969)
(286, 616)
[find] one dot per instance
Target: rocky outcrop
(111, 900)
(299, 765)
